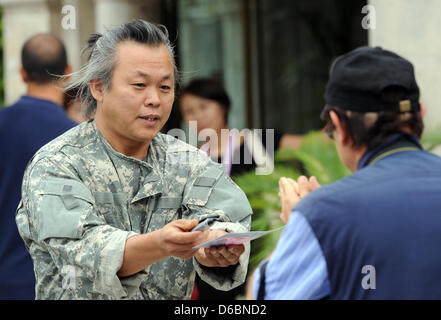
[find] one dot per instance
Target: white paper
(235, 238)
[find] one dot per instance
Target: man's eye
(139, 85)
(165, 88)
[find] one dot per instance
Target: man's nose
(152, 98)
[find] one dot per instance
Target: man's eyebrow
(145, 75)
(142, 74)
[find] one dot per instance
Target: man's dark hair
(69, 97)
(372, 128)
(44, 58)
(209, 89)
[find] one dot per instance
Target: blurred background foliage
(431, 141)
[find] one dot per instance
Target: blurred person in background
(206, 102)
(35, 119)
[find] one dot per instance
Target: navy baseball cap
(359, 78)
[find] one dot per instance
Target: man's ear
(423, 109)
(97, 89)
(340, 135)
(24, 75)
(68, 69)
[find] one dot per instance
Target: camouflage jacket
(81, 201)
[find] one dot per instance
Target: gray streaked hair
(101, 62)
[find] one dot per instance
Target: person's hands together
(291, 192)
(222, 256)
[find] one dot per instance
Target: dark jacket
(380, 228)
(24, 128)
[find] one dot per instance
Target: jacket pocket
(200, 191)
(113, 208)
(63, 204)
(161, 211)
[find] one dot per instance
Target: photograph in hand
(235, 238)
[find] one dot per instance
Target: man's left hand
(291, 192)
(222, 256)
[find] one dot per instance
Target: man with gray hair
(107, 210)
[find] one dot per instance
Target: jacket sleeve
(297, 269)
(212, 194)
(60, 225)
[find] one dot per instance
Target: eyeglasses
(329, 129)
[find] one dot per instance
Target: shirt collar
(397, 141)
(42, 101)
(149, 161)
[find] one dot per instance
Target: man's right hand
(176, 240)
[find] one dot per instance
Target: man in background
(27, 125)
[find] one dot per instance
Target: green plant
(316, 157)
(431, 139)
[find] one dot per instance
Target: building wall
(411, 29)
(21, 20)
(111, 13)
(211, 43)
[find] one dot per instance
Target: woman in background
(206, 102)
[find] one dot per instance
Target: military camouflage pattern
(81, 201)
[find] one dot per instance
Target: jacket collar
(397, 143)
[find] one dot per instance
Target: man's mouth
(150, 120)
(151, 117)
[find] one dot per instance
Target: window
(296, 43)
